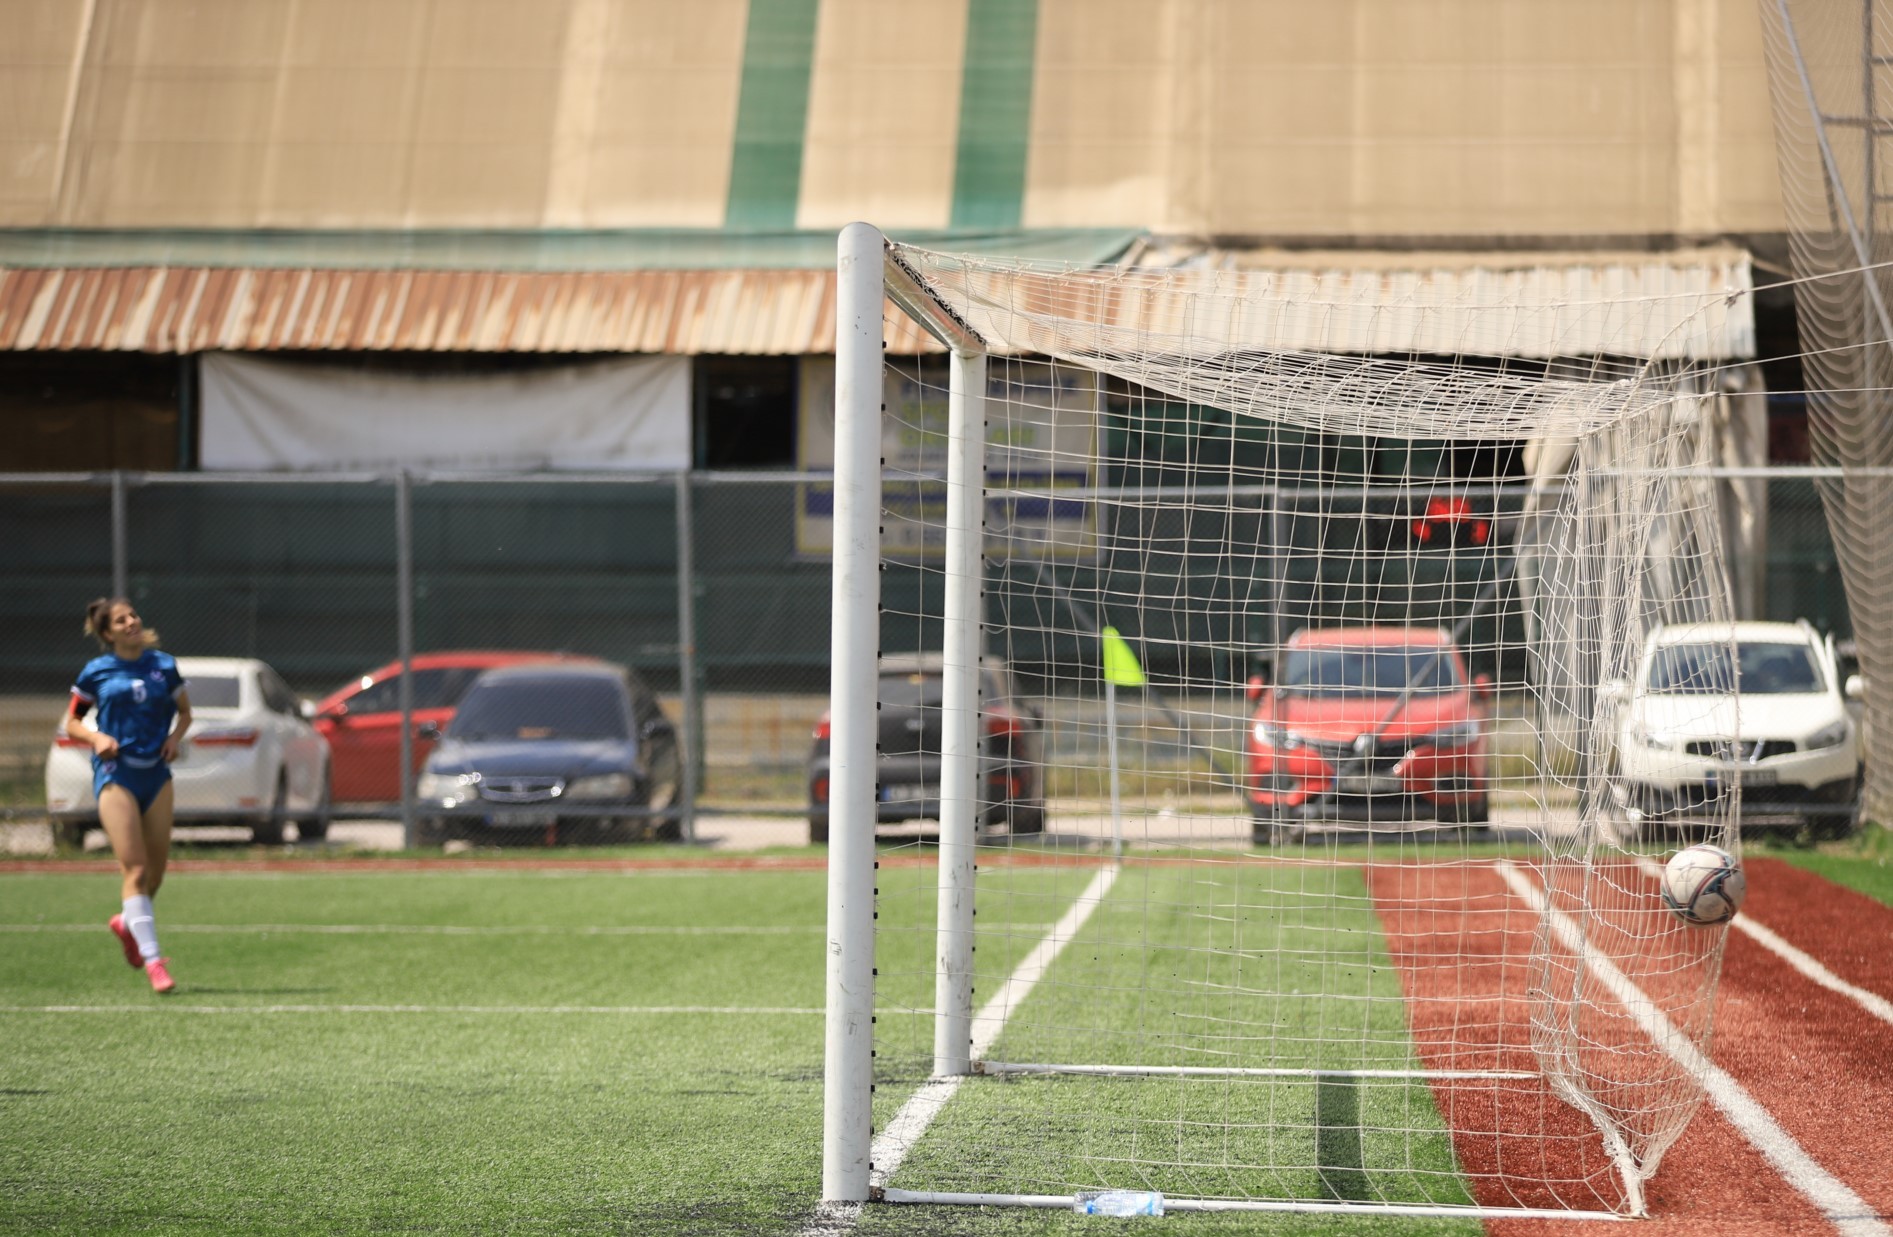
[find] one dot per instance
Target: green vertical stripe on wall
(995, 113)
(771, 114)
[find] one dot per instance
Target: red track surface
(1819, 1063)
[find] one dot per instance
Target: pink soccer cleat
(132, 957)
(161, 981)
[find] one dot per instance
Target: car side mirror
(1856, 687)
(1257, 685)
(429, 731)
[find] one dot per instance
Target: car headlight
(1661, 740)
(1457, 735)
(603, 786)
(1829, 736)
(1280, 738)
(449, 789)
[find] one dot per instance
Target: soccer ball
(1704, 884)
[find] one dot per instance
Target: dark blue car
(553, 753)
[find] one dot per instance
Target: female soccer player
(137, 692)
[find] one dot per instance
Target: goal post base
(1065, 1202)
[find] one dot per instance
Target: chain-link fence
(712, 588)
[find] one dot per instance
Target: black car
(1011, 778)
(551, 752)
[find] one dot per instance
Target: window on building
(745, 413)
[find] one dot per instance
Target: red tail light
(821, 726)
(224, 738)
(819, 791)
(1000, 722)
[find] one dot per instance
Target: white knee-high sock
(142, 922)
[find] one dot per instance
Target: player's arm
(183, 699)
(104, 744)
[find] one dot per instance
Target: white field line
(892, 1144)
(1805, 963)
(421, 929)
(1847, 1211)
(173, 1006)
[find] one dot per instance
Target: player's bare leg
(132, 837)
(157, 837)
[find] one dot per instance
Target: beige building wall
(1396, 118)
(368, 113)
(1343, 118)
(883, 113)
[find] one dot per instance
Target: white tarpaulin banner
(629, 414)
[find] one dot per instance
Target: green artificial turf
(1871, 875)
(525, 1051)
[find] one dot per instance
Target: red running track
(1820, 1063)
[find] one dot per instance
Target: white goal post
(1281, 996)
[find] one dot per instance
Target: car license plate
(1376, 785)
(522, 820)
(903, 792)
(1760, 777)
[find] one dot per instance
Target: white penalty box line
(1844, 1209)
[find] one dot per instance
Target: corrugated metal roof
(200, 309)
(1689, 303)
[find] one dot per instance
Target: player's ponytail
(98, 620)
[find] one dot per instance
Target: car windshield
(1767, 669)
(1369, 670)
(568, 708)
(911, 690)
(213, 691)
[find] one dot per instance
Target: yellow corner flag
(1120, 664)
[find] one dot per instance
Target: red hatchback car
(1367, 724)
(362, 720)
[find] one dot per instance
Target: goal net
(1227, 790)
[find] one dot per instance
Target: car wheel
(269, 832)
(818, 830)
(430, 831)
(668, 828)
(1025, 818)
(70, 833)
(316, 827)
(1272, 826)
(1477, 812)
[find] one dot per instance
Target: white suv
(1694, 724)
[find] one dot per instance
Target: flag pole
(1110, 731)
(1120, 669)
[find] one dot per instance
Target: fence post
(121, 538)
(690, 756)
(404, 640)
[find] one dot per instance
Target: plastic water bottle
(1118, 1203)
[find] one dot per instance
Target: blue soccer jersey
(136, 701)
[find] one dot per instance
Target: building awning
(680, 291)
(774, 294)
(1693, 304)
(199, 309)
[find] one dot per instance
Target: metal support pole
(1110, 742)
(404, 642)
(121, 538)
(848, 1052)
(959, 714)
(689, 748)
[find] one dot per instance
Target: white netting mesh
(1385, 929)
(1833, 100)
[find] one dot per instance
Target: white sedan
(251, 757)
(1717, 705)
